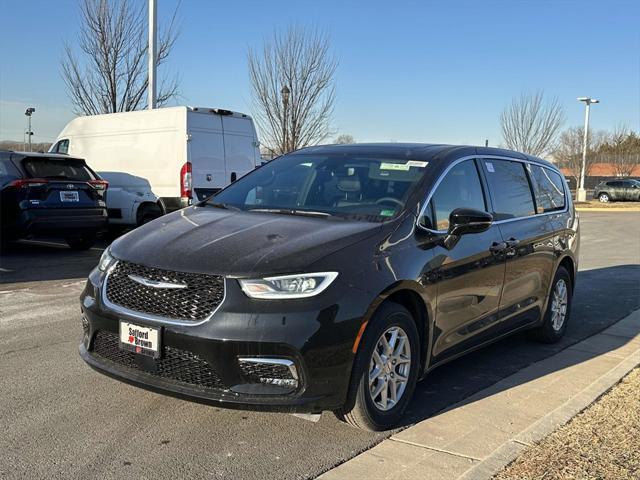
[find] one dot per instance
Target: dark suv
(51, 195)
(335, 277)
(618, 190)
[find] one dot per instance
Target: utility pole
(153, 43)
(28, 113)
(582, 193)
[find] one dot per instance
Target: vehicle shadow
(602, 297)
(35, 261)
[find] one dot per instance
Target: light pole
(285, 103)
(28, 113)
(153, 55)
(582, 193)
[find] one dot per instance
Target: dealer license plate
(69, 196)
(139, 339)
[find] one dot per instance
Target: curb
(612, 209)
(432, 449)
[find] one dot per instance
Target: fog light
(279, 372)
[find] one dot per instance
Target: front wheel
(385, 370)
(558, 309)
(603, 197)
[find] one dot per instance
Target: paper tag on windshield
(403, 166)
(394, 166)
(416, 163)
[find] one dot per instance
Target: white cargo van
(160, 160)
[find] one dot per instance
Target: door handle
(512, 242)
(498, 247)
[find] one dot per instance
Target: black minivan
(335, 277)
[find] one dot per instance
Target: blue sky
(408, 71)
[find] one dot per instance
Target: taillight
(101, 185)
(185, 181)
(29, 182)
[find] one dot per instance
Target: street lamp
(285, 103)
(28, 113)
(582, 193)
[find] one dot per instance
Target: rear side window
(460, 188)
(549, 189)
(55, 168)
(509, 187)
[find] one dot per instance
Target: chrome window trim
(150, 317)
(496, 157)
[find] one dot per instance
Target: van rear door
(206, 153)
(240, 145)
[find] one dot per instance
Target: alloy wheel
(559, 305)
(389, 368)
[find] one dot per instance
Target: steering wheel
(389, 199)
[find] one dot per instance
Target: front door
(469, 275)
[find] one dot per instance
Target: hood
(226, 242)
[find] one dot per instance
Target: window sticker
(416, 163)
(490, 167)
(394, 166)
(403, 166)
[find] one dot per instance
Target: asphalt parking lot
(61, 419)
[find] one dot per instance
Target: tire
(146, 213)
(81, 242)
(554, 326)
(363, 410)
(604, 197)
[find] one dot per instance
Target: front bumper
(317, 340)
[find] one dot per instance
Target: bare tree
(297, 61)
(344, 139)
(530, 124)
(568, 153)
(622, 151)
(112, 76)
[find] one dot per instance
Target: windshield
(358, 188)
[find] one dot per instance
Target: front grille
(193, 303)
(176, 364)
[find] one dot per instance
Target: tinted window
(509, 189)
(64, 169)
(352, 186)
(460, 188)
(548, 187)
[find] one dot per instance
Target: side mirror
(463, 221)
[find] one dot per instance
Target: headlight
(106, 260)
(288, 286)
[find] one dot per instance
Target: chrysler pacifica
(336, 277)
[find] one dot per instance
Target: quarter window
(460, 188)
(549, 189)
(509, 187)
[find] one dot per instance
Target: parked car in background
(627, 190)
(334, 277)
(160, 160)
(51, 195)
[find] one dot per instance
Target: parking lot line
(53, 244)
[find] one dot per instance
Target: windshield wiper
(289, 211)
(222, 205)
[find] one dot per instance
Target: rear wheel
(558, 309)
(385, 370)
(603, 197)
(81, 242)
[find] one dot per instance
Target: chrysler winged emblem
(155, 283)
